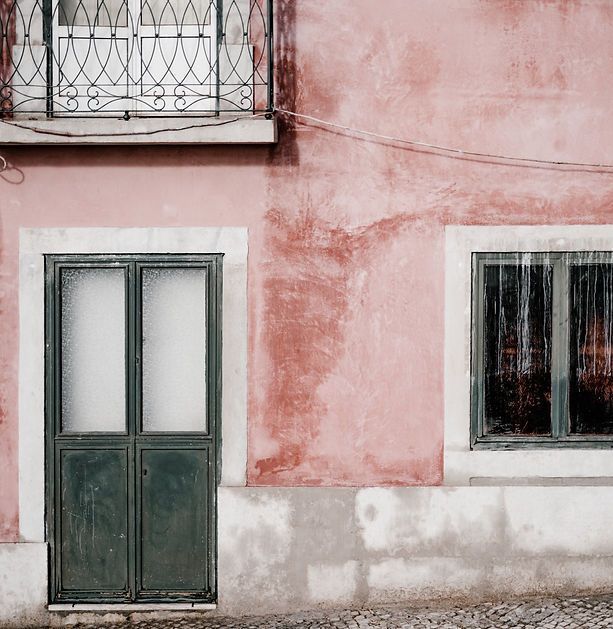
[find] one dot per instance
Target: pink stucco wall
(346, 233)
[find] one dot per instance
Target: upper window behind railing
(135, 57)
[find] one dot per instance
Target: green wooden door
(133, 379)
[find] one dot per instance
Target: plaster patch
(560, 520)
(341, 409)
(255, 532)
(332, 583)
(539, 575)
(23, 583)
(429, 576)
(421, 522)
(376, 509)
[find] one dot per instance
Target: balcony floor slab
(225, 129)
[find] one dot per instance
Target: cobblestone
(569, 613)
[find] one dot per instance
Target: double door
(132, 404)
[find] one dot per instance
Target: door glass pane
(93, 350)
(174, 349)
(591, 348)
(517, 348)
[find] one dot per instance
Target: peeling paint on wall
(328, 414)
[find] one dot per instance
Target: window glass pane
(93, 13)
(591, 341)
(177, 12)
(517, 348)
(174, 349)
(93, 350)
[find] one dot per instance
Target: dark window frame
(560, 431)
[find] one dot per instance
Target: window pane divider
(477, 428)
(559, 350)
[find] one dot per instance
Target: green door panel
(94, 519)
(174, 520)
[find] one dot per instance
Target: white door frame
(34, 244)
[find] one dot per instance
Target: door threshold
(129, 607)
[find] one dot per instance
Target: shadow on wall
(10, 174)
(150, 156)
(286, 151)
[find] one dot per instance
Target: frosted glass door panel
(93, 350)
(174, 349)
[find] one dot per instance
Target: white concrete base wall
(23, 583)
(297, 548)
(301, 548)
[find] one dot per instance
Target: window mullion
(559, 350)
(132, 427)
(477, 427)
(131, 353)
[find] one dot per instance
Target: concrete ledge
(187, 130)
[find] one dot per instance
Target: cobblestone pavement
(570, 613)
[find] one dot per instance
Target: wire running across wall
(448, 150)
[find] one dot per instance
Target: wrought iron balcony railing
(135, 57)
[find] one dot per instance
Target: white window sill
(513, 467)
(129, 607)
(225, 129)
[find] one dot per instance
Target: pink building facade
(349, 472)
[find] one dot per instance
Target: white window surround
(464, 466)
(33, 244)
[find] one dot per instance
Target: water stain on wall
(313, 270)
(515, 12)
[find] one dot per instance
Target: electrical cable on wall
(444, 149)
(448, 150)
(70, 134)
